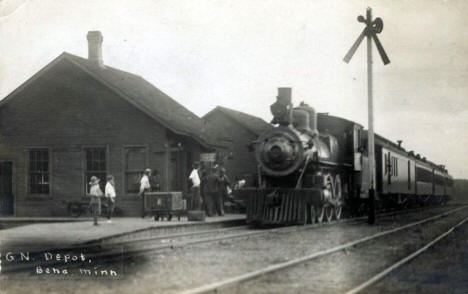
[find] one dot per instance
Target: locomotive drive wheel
(313, 214)
(338, 193)
(320, 211)
(329, 212)
(329, 184)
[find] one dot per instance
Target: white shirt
(195, 178)
(110, 190)
(144, 183)
(95, 190)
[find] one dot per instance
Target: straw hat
(93, 180)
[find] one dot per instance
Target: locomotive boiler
(313, 166)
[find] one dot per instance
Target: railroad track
(374, 279)
(234, 281)
(109, 250)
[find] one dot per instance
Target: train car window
(409, 175)
(359, 137)
(423, 175)
(438, 179)
(396, 167)
(396, 163)
(449, 182)
(386, 163)
(391, 165)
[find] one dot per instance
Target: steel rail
(297, 227)
(280, 266)
(177, 235)
(403, 261)
(111, 252)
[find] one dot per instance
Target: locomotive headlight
(276, 153)
(279, 151)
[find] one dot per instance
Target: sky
(237, 53)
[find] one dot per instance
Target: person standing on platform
(110, 195)
(210, 190)
(155, 181)
(144, 187)
(95, 203)
(224, 186)
(195, 189)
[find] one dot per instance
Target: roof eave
(123, 95)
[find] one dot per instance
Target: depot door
(175, 173)
(6, 188)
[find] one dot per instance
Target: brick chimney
(95, 47)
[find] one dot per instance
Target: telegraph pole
(370, 113)
(373, 27)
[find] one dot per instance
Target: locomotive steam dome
(279, 151)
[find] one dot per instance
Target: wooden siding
(66, 110)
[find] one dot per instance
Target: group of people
(210, 188)
(96, 194)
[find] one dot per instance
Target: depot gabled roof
(138, 92)
(252, 123)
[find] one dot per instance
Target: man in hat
(195, 179)
(96, 193)
(210, 186)
(144, 187)
(110, 195)
(224, 186)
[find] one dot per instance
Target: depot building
(77, 118)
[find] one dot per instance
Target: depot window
(38, 171)
(95, 165)
(136, 160)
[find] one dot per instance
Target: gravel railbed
(344, 270)
(174, 270)
(443, 268)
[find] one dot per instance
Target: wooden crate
(162, 204)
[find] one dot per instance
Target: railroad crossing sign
(373, 27)
(371, 30)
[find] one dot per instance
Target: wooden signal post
(373, 27)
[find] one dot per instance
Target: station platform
(78, 231)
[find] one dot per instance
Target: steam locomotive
(314, 166)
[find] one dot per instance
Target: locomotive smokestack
(95, 47)
(399, 142)
(281, 109)
(284, 94)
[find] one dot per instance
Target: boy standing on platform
(195, 179)
(95, 203)
(110, 195)
(144, 187)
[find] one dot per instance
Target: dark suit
(210, 190)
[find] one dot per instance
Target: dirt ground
(441, 269)
(174, 270)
